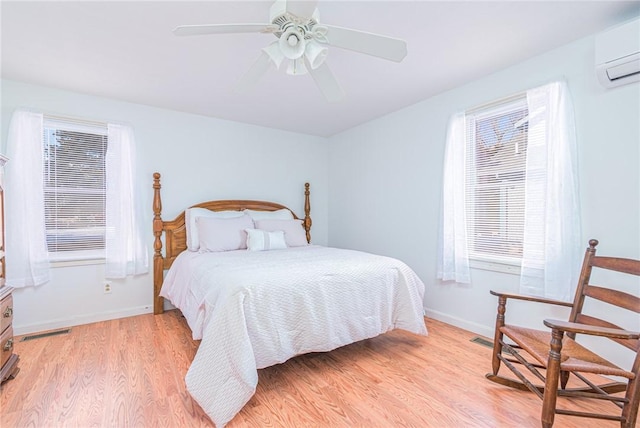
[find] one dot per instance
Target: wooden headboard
(175, 232)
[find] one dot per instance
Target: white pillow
(191, 214)
(283, 214)
(261, 240)
(294, 233)
(223, 234)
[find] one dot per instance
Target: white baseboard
(19, 330)
(459, 322)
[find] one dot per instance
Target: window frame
(478, 259)
(84, 256)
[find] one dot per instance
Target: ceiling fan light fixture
(315, 53)
(296, 67)
(292, 43)
(275, 54)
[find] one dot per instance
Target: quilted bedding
(256, 309)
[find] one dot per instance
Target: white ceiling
(126, 51)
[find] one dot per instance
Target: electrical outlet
(107, 287)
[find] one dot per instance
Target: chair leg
(564, 379)
(630, 410)
(497, 339)
(553, 375)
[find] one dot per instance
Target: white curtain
(453, 255)
(552, 248)
(126, 253)
(26, 250)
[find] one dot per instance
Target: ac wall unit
(618, 55)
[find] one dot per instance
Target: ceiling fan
(302, 44)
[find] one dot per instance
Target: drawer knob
(8, 312)
(8, 345)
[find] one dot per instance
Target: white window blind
(74, 187)
(496, 139)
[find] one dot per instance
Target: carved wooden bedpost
(307, 210)
(158, 262)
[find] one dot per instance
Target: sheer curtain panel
(126, 253)
(26, 249)
(552, 234)
(453, 254)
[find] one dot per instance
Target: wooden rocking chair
(557, 352)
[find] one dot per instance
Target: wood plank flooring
(130, 373)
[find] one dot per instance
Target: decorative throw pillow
(261, 240)
(294, 233)
(191, 214)
(223, 234)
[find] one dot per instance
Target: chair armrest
(531, 298)
(592, 330)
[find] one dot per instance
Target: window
(510, 193)
(495, 169)
(58, 200)
(74, 182)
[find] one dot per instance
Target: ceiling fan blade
(326, 81)
(254, 73)
(195, 30)
(301, 8)
(367, 43)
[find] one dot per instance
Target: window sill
(70, 263)
(510, 268)
(76, 258)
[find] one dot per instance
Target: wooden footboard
(175, 232)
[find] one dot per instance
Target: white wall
(200, 159)
(375, 187)
(385, 181)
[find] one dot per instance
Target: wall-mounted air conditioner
(618, 55)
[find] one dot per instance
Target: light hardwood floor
(130, 373)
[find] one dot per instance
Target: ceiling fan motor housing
(285, 20)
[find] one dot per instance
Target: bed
(276, 298)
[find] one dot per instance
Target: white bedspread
(257, 309)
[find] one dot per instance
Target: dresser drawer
(6, 312)
(6, 345)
